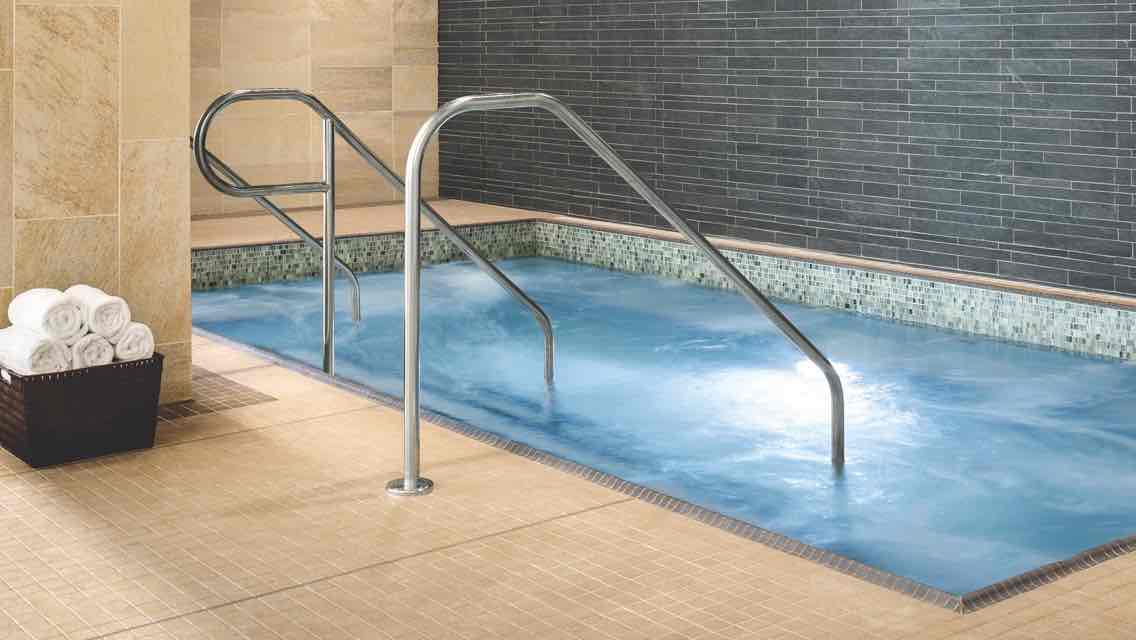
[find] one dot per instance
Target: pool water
(969, 460)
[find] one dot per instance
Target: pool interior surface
(969, 460)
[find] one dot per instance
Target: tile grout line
(367, 567)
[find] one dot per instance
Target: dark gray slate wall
(983, 136)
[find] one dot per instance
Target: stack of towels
(55, 331)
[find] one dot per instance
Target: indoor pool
(969, 460)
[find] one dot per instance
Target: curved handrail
(201, 138)
(287, 221)
(251, 191)
(411, 483)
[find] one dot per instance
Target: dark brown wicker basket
(60, 417)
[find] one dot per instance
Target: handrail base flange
(397, 487)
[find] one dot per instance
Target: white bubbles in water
(796, 400)
(465, 284)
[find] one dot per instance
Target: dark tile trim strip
(962, 604)
(1030, 580)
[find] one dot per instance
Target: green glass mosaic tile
(1059, 324)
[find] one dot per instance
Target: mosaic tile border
(223, 267)
(1079, 327)
(1065, 325)
(962, 604)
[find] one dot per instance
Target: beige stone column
(97, 97)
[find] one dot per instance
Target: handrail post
(329, 247)
(411, 484)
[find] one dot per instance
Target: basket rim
(70, 373)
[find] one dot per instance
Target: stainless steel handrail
(325, 187)
(411, 483)
(287, 221)
(330, 119)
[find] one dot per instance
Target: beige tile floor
(270, 521)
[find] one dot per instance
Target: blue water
(969, 460)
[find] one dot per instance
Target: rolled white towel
(28, 352)
(49, 312)
(113, 339)
(91, 350)
(135, 343)
(105, 314)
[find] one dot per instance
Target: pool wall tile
(1066, 325)
(218, 268)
